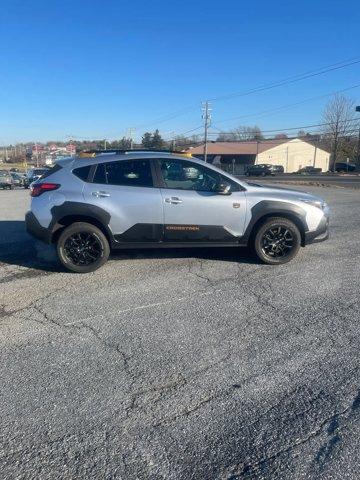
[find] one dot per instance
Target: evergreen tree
(157, 141)
(147, 141)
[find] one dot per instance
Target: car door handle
(174, 200)
(100, 194)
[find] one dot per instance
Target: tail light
(40, 188)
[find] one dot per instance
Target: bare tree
(241, 133)
(338, 118)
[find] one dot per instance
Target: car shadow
(17, 247)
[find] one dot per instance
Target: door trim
(176, 233)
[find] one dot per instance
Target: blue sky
(93, 69)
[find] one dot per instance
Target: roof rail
(121, 152)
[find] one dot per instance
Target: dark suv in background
(263, 169)
(345, 167)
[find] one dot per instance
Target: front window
(184, 175)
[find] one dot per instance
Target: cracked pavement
(192, 364)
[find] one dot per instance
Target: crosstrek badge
(187, 228)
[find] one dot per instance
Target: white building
(292, 154)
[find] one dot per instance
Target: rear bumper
(34, 228)
(320, 234)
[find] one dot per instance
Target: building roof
(239, 148)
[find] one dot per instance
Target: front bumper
(34, 228)
(320, 234)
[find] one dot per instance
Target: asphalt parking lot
(193, 364)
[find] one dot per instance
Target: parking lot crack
(161, 389)
(202, 276)
(332, 424)
(113, 347)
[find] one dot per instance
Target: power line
(287, 81)
(287, 129)
(282, 107)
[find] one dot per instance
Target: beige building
(292, 154)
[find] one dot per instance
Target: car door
(124, 190)
(194, 208)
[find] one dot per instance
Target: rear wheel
(82, 248)
(277, 241)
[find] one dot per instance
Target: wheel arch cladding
(270, 208)
(71, 212)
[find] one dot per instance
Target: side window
(184, 175)
(100, 175)
(82, 172)
(131, 173)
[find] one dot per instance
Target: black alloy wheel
(277, 241)
(82, 247)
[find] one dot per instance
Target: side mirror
(223, 189)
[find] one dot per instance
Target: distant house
(292, 154)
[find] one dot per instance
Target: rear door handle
(173, 200)
(100, 194)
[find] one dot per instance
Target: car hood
(281, 193)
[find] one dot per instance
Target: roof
(238, 148)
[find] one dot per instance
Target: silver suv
(132, 199)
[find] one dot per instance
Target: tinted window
(186, 175)
(132, 173)
(82, 172)
(100, 176)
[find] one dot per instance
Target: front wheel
(82, 248)
(277, 241)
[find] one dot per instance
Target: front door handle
(173, 200)
(100, 194)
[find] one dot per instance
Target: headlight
(316, 203)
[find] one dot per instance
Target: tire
(82, 248)
(277, 241)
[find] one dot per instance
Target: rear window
(82, 172)
(130, 173)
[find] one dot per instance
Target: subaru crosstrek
(131, 199)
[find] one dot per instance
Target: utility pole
(206, 116)
(37, 154)
(287, 159)
(315, 150)
(131, 137)
(358, 145)
(105, 144)
(172, 141)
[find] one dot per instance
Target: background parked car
(33, 175)
(6, 180)
(276, 169)
(261, 169)
(18, 179)
(345, 167)
(309, 170)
